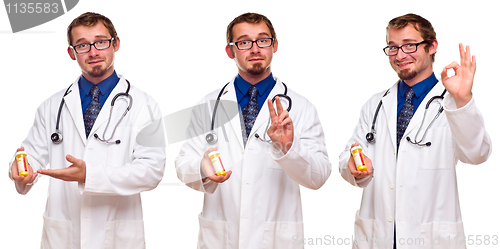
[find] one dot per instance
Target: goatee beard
(407, 74)
(256, 69)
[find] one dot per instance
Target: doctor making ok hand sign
(281, 129)
(460, 85)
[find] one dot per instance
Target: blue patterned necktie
(250, 112)
(93, 109)
(405, 115)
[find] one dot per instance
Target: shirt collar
(105, 86)
(242, 85)
(419, 88)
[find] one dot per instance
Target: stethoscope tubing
(57, 137)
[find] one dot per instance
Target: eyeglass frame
(255, 41)
(401, 47)
(93, 44)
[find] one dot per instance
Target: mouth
(94, 62)
(256, 59)
(404, 65)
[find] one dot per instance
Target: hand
(281, 129)
(74, 173)
(460, 85)
(30, 178)
(208, 168)
(352, 166)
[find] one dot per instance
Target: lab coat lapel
(227, 103)
(103, 116)
(74, 105)
(390, 105)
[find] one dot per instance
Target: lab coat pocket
(213, 234)
(442, 235)
(440, 154)
(122, 234)
(366, 233)
(282, 235)
(119, 153)
(57, 233)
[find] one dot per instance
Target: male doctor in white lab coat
(94, 192)
(257, 203)
(410, 196)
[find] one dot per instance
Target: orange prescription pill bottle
(217, 163)
(359, 158)
(22, 163)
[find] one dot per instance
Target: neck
(97, 79)
(419, 78)
(254, 79)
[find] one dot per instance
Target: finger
(20, 149)
(279, 106)
(283, 116)
(354, 144)
(56, 173)
(272, 112)
(287, 123)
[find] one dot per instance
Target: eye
(410, 46)
(82, 46)
(101, 42)
(243, 43)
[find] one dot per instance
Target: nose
(93, 50)
(401, 55)
(254, 49)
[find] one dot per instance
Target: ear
(229, 52)
(116, 45)
(71, 53)
(433, 47)
(275, 46)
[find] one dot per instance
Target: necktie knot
(409, 94)
(252, 92)
(95, 91)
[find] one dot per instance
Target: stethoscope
(371, 136)
(212, 138)
(57, 136)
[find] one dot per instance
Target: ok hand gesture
(460, 85)
(281, 129)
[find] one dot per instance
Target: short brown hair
(419, 23)
(253, 18)
(90, 19)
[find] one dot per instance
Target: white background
(329, 52)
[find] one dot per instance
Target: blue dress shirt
(106, 86)
(264, 87)
(421, 90)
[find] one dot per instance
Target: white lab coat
(259, 206)
(105, 211)
(416, 189)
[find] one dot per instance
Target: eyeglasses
(407, 48)
(99, 45)
(261, 43)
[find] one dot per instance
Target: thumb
(71, 159)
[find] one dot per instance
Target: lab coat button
(392, 186)
(390, 219)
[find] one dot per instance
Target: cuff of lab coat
(450, 105)
(277, 154)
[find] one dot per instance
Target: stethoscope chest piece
(371, 137)
(211, 138)
(56, 137)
